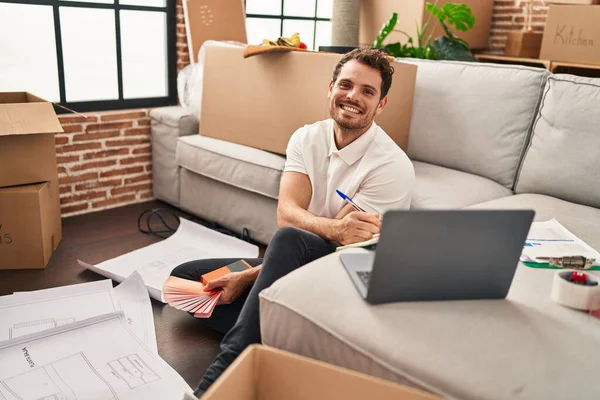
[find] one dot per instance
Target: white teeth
(351, 109)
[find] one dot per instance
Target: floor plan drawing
(71, 378)
(98, 358)
(133, 370)
(24, 328)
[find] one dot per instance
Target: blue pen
(349, 200)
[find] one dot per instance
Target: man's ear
(330, 88)
(381, 105)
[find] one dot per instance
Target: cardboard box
(572, 34)
(27, 149)
(30, 225)
(374, 13)
(523, 44)
(262, 100)
(223, 20)
(264, 373)
(588, 2)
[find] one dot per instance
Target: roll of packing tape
(574, 295)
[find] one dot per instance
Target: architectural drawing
(133, 370)
(24, 328)
(71, 378)
(97, 358)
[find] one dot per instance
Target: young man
(348, 152)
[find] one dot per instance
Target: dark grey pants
(289, 249)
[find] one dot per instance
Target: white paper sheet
(133, 299)
(551, 239)
(98, 358)
(190, 242)
(30, 312)
(35, 311)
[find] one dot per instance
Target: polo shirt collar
(355, 150)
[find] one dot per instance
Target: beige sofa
(482, 135)
(483, 139)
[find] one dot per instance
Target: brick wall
(105, 161)
(183, 56)
(508, 17)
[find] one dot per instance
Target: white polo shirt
(372, 170)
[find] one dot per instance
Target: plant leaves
(394, 49)
(447, 49)
(435, 11)
(386, 29)
(459, 15)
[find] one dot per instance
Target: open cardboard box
(27, 150)
(30, 225)
(411, 13)
(262, 100)
(264, 373)
(572, 33)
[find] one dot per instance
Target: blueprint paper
(134, 302)
(85, 300)
(98, 358)
(551, 239)
(30, 312)
(154, 263)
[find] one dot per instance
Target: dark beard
(351, 127)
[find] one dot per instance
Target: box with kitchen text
(572, 34)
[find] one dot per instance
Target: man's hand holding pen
(357, 226)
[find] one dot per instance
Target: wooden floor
(182, 341)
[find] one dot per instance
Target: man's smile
(351, 109)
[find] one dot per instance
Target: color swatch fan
(190, 296)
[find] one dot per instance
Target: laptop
(441, 255)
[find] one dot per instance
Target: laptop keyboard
(365, 277)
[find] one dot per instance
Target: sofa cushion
(229, 206)
(474, 117)
(583, 221)
(525, 347)
(563, 158)
(439, 187)
(244, 167)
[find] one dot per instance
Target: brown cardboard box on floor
(262, 100)
(374, 13)
(30, 225)
(263, 373)
(572, 34)
(27, 149)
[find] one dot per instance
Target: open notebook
(367, 244)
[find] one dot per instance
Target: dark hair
(373, 58)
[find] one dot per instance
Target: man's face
(354, 96)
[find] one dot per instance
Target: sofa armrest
(167, 125)
(180, 120)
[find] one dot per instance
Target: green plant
(447, 47)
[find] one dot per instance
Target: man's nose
(352, 94)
